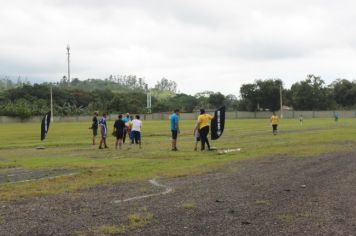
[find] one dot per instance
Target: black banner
(218, 123)
(45, 125)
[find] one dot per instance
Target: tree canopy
(129, 93)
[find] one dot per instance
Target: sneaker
(106, 147)
(174, 149)
(100, 147)
(195, 149)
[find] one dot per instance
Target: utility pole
(280, 98)
(149, 104)
(51, 105)
(68, 59)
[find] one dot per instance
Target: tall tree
(269, 94)
(216, 100)
(344, 92)
(311, 94)
(249, 95)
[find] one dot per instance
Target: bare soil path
(267, 196)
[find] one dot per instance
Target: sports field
(68, 149)
(71, 168)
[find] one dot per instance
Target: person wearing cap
(203, 127)
(94, 126)
(174, 120)
(126, 119)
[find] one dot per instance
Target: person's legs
(274, 129)
(101, 143)
(203, 136)
(95, 132)
(124, 137)
(104, 141)
(120, 143)
(103, 137)
(196, 145)
(206, 138)
(116, 143)
(135, 137)
(139, 138)
(202, 140)
(132, 137)
(174, 140)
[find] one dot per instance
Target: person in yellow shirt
(274, 122)
(203, 127)
(129, 128)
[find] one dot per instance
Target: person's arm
(195, 128)
(177, 124)
(198, 124)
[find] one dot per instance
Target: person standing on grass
(136, 130)
(94, 126)
(119, 128)
(174, 120)
(203, 126)
(301, 119)
(336, 116)
(274, 123)
(126, 119)
(103, 131)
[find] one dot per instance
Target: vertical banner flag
(45, 125)
(218, 123)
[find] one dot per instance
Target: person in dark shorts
(94, 126)
(136, 131)
(174, 120)
(274, 123)
(119, 127)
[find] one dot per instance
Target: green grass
(68, 147)
(188, 205)
(134, 221)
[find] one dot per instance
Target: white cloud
(195, 43)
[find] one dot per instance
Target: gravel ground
(267, 196)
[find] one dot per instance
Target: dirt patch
(14, 175)
(270, 196)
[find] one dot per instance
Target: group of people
(131, 126)
(124, 126)
(201, 129)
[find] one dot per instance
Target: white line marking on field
(153, 182)
(229, 150)
(44, 178)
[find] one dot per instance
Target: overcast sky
(200, 44)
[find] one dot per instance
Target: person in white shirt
(136, 130)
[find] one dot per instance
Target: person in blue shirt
(126, 120)
(103, 131)
(174, 120)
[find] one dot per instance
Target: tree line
(120, 94)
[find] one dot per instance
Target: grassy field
(68, 147)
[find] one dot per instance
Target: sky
(200, 44)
